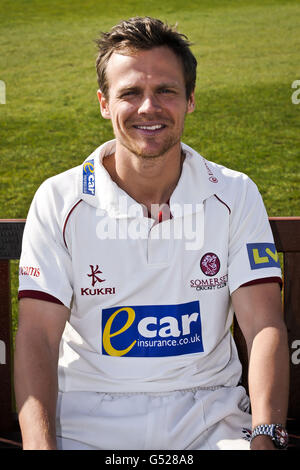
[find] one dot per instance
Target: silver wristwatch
(277, 433)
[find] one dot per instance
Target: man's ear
(104, 108)
(191, 103)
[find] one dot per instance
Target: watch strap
(276, 432)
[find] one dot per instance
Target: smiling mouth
(149, 128)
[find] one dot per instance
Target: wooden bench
(11, 232)
(286, 232)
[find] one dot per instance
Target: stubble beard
(143, 154)
(168, 143)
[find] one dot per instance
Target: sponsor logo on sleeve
(29, 271)
(152, 330)
(262, 255)
(89, 178)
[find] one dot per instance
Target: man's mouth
(149, 128)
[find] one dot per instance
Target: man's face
(147, 101)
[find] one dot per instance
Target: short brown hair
(144, 33)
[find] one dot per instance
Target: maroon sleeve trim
(36, 294)
(263, 280)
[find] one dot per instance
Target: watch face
(281, 436)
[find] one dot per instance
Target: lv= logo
(262, 255)
(264, 259)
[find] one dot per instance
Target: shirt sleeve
(45, 270)
(252, 253)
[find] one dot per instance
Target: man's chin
(152, 153)
(149, 156)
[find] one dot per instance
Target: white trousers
(196, 419)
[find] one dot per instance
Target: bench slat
(292, 319)
(286, 232)
(6, 416)
(11, 233)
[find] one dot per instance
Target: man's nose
(149, 104)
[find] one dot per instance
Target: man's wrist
(39, 445)
(262, 442)
(274, 432)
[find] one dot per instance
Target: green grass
(248, 58)
(248, 55)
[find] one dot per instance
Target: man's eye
(128, 93)
(166, 90)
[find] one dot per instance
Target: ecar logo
(89, 178)
(171, 328)
(152, 330)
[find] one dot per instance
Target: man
(135, 262)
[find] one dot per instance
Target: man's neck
(147, 180)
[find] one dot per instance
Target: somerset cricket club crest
(210, 264)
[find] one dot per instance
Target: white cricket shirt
(150, 302)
